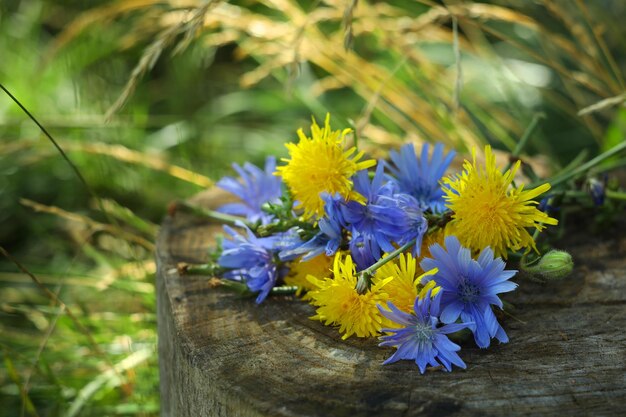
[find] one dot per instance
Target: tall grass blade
(108, 377)
(13, 375)
(61, 151)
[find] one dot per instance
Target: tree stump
(221, 355)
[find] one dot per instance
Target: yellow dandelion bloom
(489, 212)
(320, 266)
(407, 283)
(339, 303)
(320, 164)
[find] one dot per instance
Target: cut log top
(221, 355)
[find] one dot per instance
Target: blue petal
(451, 312)
(453, 328)
(453, 246)
(312, 254)
(505, 286)
(485, 257)
(501, 335)
(435, 303)
(481, 332)
(449, 353)
(491, 322)
(396, 315)
(464, 258)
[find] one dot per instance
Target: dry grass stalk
(188, 28)
(93, 225)
(603, 104)
(279, 41)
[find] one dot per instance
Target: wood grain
(221, 355)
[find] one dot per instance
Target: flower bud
(552, 266)
(363, 283)
(597, 190)
(556, 264)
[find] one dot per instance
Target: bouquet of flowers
(398, 249)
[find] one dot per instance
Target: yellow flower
(340, 304)
(320, 164)
(406, 284)
(320, 266)
(488, 212)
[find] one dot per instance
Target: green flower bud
(552, 266)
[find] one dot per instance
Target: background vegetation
(153, 99)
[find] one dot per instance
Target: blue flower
(420, 178)
(254, 188)
(415, 224)
(379, 219)
(329, 237)
(545, 204)
(364, 250)
(333, 208)
(421, 339)
(250, 259)
(286, 242)
(469, 287)
(597, 189)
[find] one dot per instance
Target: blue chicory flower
(287, 242)
(254, 188)
(469, 287)
(415, 224)
(250, 259)
(329, 237)
(364, 250)
(420, 177)
(379, 219)
(421, 339)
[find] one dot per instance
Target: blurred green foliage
(233, 88)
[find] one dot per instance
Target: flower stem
(242, 288)
(259, 229)
(565, 176)
(365, 276)
(201, 269)
(284, 290)
(614, 195)
(282, 226)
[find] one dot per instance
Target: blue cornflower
(420, 177)
(329, 237)
(255, 188)
(421, 339)
(379, 219)
(469, 287)
(250, 259)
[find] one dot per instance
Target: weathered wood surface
(221, 355)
